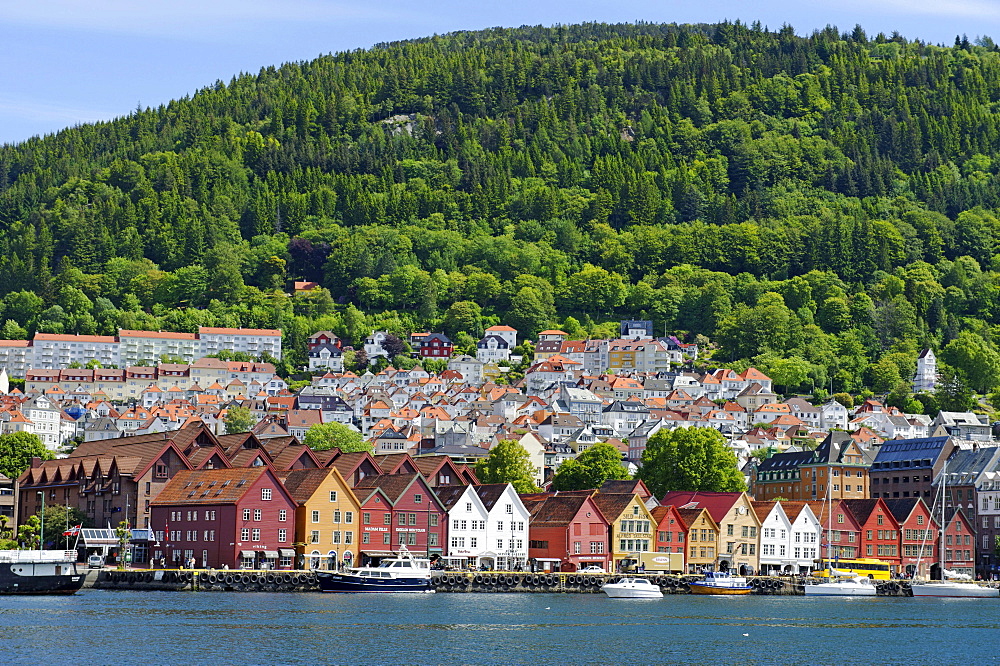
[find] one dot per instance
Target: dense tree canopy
(590, 469)
(326, 436)
(508, 462)
(690, 459)
(16, 451)
(829, 199)
(239, 419)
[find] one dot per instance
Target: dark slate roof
(786, 461)
(901, 508)
(921, 452)
(965, 465)
(449, 495)
(490, 493)
(393, 485)
(861, 508)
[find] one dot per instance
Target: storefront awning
(143, 535)
(98, 537)
(378, 553)
(546, 559)
(286, 552)
(271, 554)
(248, 553)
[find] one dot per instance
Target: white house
(45, 420)
(506, 333)
(925, 378)
(467, 525)
(326, 356)
(373, 345)
(487, 526)
(789, 541)
(493, 349)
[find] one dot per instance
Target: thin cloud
(951, 8)
(36, 110)
(187, 18)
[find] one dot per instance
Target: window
(468, 507)
(282, 515)
(257, 515)
(413, 519)
(387, 519)
(335, 537)
(349, 517)
(161, 471)
(385, 539)
(245, 534)
(265, 494)
(333, 495)
(840, 517)
(433, 520)
(418, 498)
(401, 519)
(432, 539)
(314, 536)
(510, 508)
(282, 536)
(730, 529)
(365, 537)
(881, 519)
(246, 514)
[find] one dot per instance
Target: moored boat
(856, 586)
(955, 589)
(632, 588)
(720, 582)
(403, 573)
(39, 572)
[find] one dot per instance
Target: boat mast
(944, 500)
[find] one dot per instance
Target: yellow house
(633, 528)
(327, 517)
(738, 526)
(702, 539)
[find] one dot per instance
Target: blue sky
(66, 62)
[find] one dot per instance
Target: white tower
(926, 377)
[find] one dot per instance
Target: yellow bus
(875, 569)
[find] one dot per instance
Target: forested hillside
(822, 207)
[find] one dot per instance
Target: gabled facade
(399, 510)
(326, 517)
(738, 526)
(566, 533)
(702, 539)
(633, 528)
(236, 518)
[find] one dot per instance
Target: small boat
(954, 589)
(720, 582)
(39, 572)
(632, 588)
(855, 586)
(403, 573)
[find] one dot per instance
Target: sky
(67, 62)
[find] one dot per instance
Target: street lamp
(41, 529)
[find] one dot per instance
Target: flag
(115, 509)
(73, 531)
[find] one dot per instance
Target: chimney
(36, 462)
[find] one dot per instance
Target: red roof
(211, 330)
(165, 335)
(718, 504)
(58, 337)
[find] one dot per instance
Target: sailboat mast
(944, 500)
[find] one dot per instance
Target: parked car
(95, 561)
(593, 569)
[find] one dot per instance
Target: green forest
(823, 207)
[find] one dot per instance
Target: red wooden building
(671, 531)
(566, 533)
(841, 535)
(879, 530)
(959, 544)
(918, 534)
(400, 510)
(236, 518)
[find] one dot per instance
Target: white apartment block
(15, 356)
(54, 350)
(151, 346)
(253, 341)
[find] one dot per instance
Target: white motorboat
(632, 588)
(856, 586)
(955, 589)
(720, 582)
(404, 573)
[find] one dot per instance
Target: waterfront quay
(448, 582)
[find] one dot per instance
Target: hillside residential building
(926, 376)
(254, 341)
(837, 468)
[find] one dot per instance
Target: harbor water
(108, 626)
